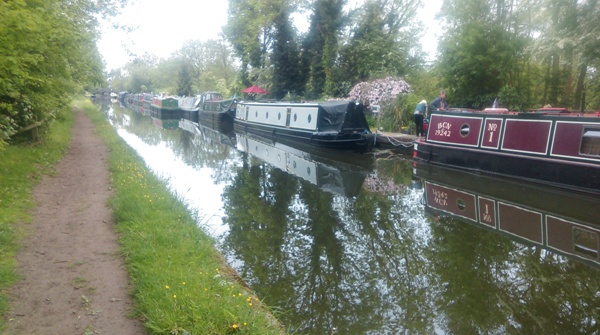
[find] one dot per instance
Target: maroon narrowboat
(562, 221)
(550, 146)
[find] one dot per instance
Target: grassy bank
(181, 284)
(21, 167)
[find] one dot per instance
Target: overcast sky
(161, 27)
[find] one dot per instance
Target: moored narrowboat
(166, 108)
(550, 146)
(333, 124)
(215, 110)
(189, 108)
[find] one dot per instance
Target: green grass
(181, 283)
(21, 167)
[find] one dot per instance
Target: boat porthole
(279, 158)
(267, 152)
(309, 118)
(308, 170)
(464, 130)
(279, 116)
(460, 203)
(256, 148)
(294, 164)
(267, 115)
(256, 114)
(295, 117)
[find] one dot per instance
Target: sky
(162, 26)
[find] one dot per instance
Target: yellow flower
(183, 283)
(250, 304)
(234, 326)
(174, 296)
(167, 287)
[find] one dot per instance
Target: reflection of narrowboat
(334, 124)
(327, 172)
(219, 135)
(550, 146)
(166, 108)
(563, 221)
(215, 110)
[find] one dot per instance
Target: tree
(47, 52)
(285, 59)
(321, 45)
(184, 82)
(481, 52)
(384, 41)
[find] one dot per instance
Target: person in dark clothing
(420, 112)
(439, 102)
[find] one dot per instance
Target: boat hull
(357, 142)
(549, 149)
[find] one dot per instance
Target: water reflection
(356, 246)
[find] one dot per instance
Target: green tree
(185, 77)
(481, 53)
(285, 59)
(321, 45)
(47, 52)
(383, 43)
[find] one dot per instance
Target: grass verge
(21, 167)
(181, 283)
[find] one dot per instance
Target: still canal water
(349, 244)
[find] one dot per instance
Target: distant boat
(165, 108)
(214, 109)
(550, 146)
(334, 124)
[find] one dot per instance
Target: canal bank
(73, 277)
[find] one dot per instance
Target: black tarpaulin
(341, 116)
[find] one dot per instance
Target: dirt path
(74, 280)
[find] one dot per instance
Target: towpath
(74, 279)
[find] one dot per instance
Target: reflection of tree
(488, 283)
(196, 151)
(395, 244)
(354, 264)
(257, 204)
(553, 296)
(469, 264)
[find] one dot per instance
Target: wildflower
(183, 283)
(167, 287)
(234, 326)
(174, 296)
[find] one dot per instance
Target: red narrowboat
(550, 146)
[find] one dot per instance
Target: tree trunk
(579, 99)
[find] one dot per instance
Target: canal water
(368, 243)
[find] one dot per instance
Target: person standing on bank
(439, 102)
(420, 112)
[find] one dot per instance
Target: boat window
(256, 114)
(309, 118)
(590, 142)
(464, 130)
(279, 116)
(585, 242)
(308, 170)
(460, 203)
(295, 117)
(267, 115)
